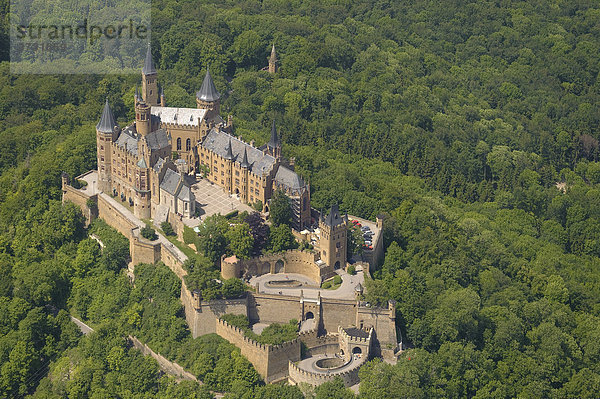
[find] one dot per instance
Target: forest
(472, 126)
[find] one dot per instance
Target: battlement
(250, 341)
(356, 339)
(348, 375)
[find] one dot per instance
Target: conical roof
(274, 141)
(148, 68)
(229, 153)
(107, 120)
(208, 91)
(245, 163)
(273, 53)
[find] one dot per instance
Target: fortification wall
(169, 257)
(292, 261)
(142, 250)
(337, 312)
(379, 319)
(270, 308)
(320, 345)
(202, 316)
(113, 216)
(269, 360)
(350, 377)
(80, 198)
(164, 364)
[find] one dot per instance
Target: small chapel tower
(273, 60)
(274, 145)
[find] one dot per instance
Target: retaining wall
(165, 365)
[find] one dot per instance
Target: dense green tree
(279, 209)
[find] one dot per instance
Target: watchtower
(334, 230)
(107, 131)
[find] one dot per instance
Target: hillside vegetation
(454, 119)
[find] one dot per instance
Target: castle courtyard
(212, 199)
(309, 290)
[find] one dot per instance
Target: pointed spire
(228, 153)
(274, 141)
(107, 120)
(148, 68)
(245, 163)
(273, 54)
(208, 91)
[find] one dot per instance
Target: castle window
(179, 144)
(222, 173)
(188, 144)
(237, 172)
(237, 181)
(215, 169)
(101, 147)
(102, 159)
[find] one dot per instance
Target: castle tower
(143, 118)
(228, 167)
(274, 145)
(273, 60)
(245, 169)
(333, 242)
(107, 131)
(149, 81)
(208, 97)
(141, 202)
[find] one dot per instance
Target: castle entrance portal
(337, 265)
(279, 266)
(356, 350)
(309, 315)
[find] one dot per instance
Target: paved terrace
(213, 199)
(310, 290)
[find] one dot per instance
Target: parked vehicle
(365, 228)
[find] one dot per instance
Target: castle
(152, 163)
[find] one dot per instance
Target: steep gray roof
(228, 151)
(217, 141)
(142, 163)
(107, 120)
(334, 218)
(127, 141)
(170, 182)
(185, 193)
(273, 53)
(274, 140)
(158, 139)
(245, 163)
(148, 68)
(158, 165)
(288, 178)
(208, 91)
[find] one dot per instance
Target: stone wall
(320, 345)
(202, 316)
(142, 250)
(272, 308)
(383, 321)
(80, 198)
(113, 216)
(338, 312)
(269, 360)
(350, 377)
(291, 261)
(164, 364)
